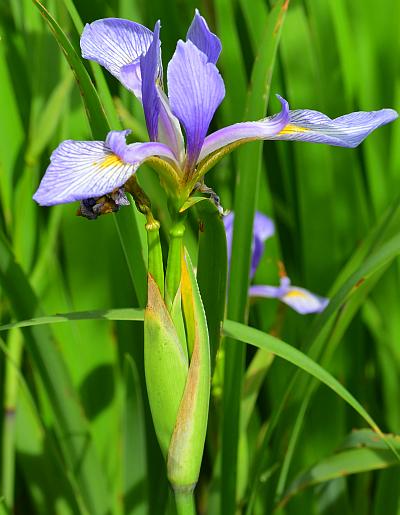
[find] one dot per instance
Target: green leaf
(94, 110)
(283, 350)
(77, 445)
(106, 314)
(135, 473)
(358, 275)
(49, 119)
(246, 197)
(362, 452)
(212, 270)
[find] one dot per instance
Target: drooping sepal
(187, 442)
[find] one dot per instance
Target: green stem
(185, 503)
(173, 277)
(156, 267)
(10, 403)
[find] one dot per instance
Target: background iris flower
(82, 170)
(301, 300)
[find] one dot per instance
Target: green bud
(187, 442)
(166, 366)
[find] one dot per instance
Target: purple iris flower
(88, 170)
(299, 299)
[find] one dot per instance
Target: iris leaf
(246, 196)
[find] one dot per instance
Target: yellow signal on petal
(290, 129)
(110, 160)
(295, 293)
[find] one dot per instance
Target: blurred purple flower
(299, 299)
(81, 170)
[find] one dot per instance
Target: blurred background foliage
(332, 207)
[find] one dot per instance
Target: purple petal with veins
(84, 169)
(150, 65)
(246, 131)
(346, 131)
(115, 43)
(195, 90)
(203, 38)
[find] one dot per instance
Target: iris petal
(162, 125)
(246, 131)
(303, 301)
(149, 67)
(203, 38)
(264, 291)
(346, 131)
(117, 44)
(263, 228)
(84, 169)
(299, 299)
(195, 90)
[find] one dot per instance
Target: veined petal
(246, 131)
(169, 128)
(195, 90)
(203, 38)
(149, 67)
(84, 169)
(162, 125)
(346, 131)
(299, 299)
(117, 44)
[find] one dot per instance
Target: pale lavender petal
(195, 90)
(263, 228)
(149, 67)
(303, 301)
(263, 291)
(169, 128)
(115, 44)
(203, 38)
(299, 299)
(346, 131)
(84, 169)
(162, 125)
(246, 131)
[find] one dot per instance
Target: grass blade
(77, 444)
(249, 170)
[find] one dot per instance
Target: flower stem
(185, 503)
(173, 276)
(9, 421)
(156, 267)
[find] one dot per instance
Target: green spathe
(187, 443)
(166, 366)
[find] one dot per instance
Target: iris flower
(96, 172)
(299, 299)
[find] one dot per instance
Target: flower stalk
(185, 503)
(173, 274)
